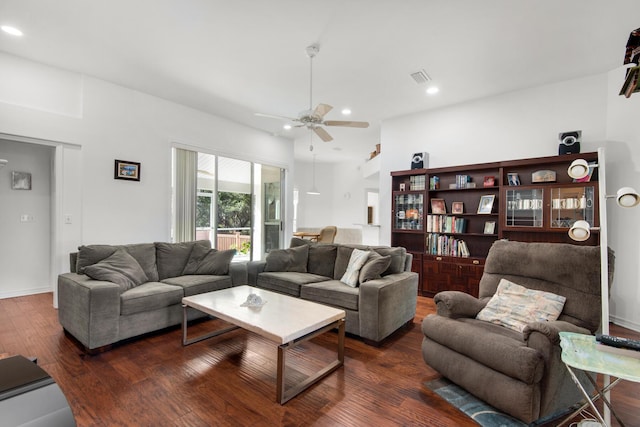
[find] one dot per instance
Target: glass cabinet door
(408, 211)
(569, 205)
(524, 208)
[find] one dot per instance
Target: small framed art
(513, 178)
(20, 180)
(457, 207)
(486, 204)
(490, 227)
(438, 206)
(124, 169)
(489, 181)
(402, 186)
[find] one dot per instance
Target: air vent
(420, 77)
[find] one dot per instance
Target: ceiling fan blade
(322, 109)
(350, 124)
(323, 134)
(273, 116)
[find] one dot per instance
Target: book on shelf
(441, 244)
(446, 224)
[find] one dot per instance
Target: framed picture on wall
(125, 169)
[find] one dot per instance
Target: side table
(579, 352)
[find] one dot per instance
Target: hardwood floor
(230, 380)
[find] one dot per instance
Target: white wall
(526, 124)
(342, 201)
(25, 247)
(623, 169)
(118, 123)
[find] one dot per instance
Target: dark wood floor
(230, 380)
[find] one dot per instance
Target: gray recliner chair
(519, 373)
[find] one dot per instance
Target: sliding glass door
(237, 204)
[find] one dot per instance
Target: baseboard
(634, 326)
(24, 292)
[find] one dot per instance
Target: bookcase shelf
(531, 212)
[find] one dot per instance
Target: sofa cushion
(331, 292)
(208, 261)
(499, 348)
(171, 258)
(149, 296)
(514, 306)
(352, 273)
(199, 284)
(287, 282)
(119, 268)
(374, 267)
(322, 256)
(398, 256)
(144, 253)
(291, 260)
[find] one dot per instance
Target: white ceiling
(236, 57)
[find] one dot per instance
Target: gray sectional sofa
(381, 300)
(117, 292)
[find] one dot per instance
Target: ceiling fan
(313, 119)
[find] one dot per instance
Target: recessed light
(11, 30)
(432, 90)
(346, 111)
(287, 126)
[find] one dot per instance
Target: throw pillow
(322, 256)
(91, 254)
(292, 259)
(357, 260)
(212, 262)
(374, 267)
(514, 306)
(120, 268)
(398, 256)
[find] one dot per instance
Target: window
(236, 204)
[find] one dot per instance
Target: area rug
(474, 408)
(482, 413)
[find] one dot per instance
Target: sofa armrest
(253, 269)
(386, 304)
(456, 304)
(238, 273)
(89, 309)
(551, 330)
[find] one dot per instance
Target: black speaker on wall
(420, 161)
(569, 142)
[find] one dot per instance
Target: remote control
(618, 342)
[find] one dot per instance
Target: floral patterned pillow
(514, 306)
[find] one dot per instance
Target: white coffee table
(286, 320)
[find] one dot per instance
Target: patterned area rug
(474, 408)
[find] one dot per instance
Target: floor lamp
(626, 197)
